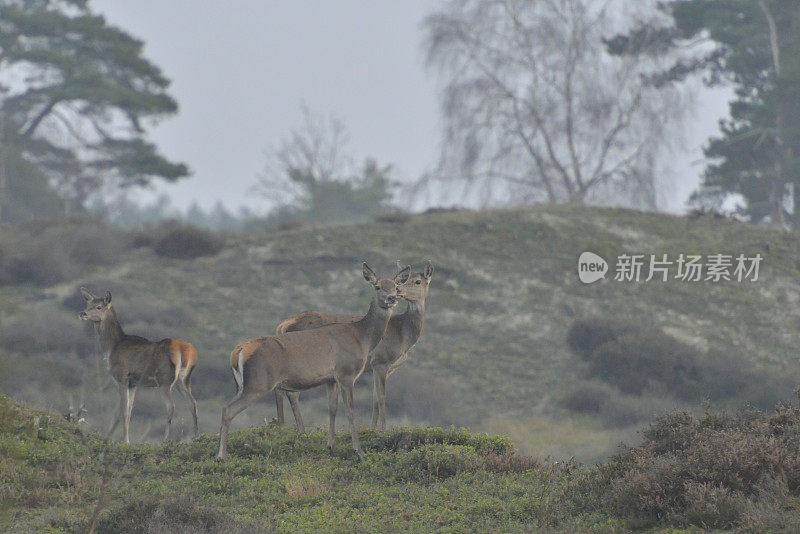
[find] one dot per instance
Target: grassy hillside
(719, 471)
(55, 477)
(493, 356)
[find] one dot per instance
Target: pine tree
(75, 94)
(755, 48)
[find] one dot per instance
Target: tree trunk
(777, 198)
(3, 181)
(779, 181)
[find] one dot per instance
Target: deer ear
(428, 272)
(87, 295)
(402, 276)
(107, 298)
(369, 274)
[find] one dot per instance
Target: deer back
(141, 362)
(313, 319)
(304, 359)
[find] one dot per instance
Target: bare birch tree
(536, 110)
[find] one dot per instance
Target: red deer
(134, 361)
(402, 333)
(333, 355)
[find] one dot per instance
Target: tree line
(569, 101)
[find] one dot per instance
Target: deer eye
(99, 307)
(418, 282)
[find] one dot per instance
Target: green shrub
(186, 242)
(588, 398)
(587, 335)
(404, 439)
(149, 515)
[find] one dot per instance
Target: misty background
(222, 168)
(242, 70)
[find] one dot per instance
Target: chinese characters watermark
(660, 267)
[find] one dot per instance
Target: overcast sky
(241, 69)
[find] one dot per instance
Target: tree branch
(773, 37)
(29, 130)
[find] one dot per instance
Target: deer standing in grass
(402, 333)
(333, 355)
(134, 361)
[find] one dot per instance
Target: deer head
(97, 308)
(386, 291)
(415, 288)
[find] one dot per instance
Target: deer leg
(187, 387)
(380, 380)
(298, 419)
(347, 397)
(130, 396)
(234, 408)
(375, 405)
(279, 407)
(237, 377)
(333, 404)
(119, 411)
(166, 394)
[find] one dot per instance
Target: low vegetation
(58, 477)
(720, 470)
(632, 360)
(185, 242)
(45, 252)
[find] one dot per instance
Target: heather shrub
(717, 471)
(641, 362)
(617, 408)
(49, 252)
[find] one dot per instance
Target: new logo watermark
(591, 267)
(686, 268)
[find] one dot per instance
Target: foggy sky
(241, 69)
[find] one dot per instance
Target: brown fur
(333, 355)
(183, 355)
(310, 319)
(134, 361)
(246, 348)
(402, 333)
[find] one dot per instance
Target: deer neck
(109, 333)
(372, 326)
(412, 323)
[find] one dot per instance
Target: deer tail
(238, 371)
(176, 355)
(285, 325)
